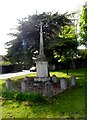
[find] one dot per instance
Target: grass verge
(69, 104)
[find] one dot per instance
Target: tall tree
(66, 47)
(83, 26)
(25, 46)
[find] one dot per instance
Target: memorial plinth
(42, 71)
(41, 63)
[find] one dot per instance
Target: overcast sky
(11, 10)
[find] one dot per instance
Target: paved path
(9, 75)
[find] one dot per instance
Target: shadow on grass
(69, 104)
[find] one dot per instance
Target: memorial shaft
(41, 41)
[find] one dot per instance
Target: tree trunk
(66, 67)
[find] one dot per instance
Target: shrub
(33, 97)
(36, 97)
(22, 97)
(5, 63)
(8, 94)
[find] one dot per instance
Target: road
(9, 75)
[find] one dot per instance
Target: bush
(22, 97)
(8, 94)
(5, 63)
(36, 97)
(33, 97)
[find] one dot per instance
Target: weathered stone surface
(41, 63)
(48, 89)
(41, 56)
(26, 78)
(54, 78)
(63, 84)
(73, 80)
(43, 79)
(42, 68)
(25, 85)
(9, 85)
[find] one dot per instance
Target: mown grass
(69, 104)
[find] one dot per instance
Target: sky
(11, 10)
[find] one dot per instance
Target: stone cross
(41, 40)
(41, 50)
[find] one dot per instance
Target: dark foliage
(25, 47)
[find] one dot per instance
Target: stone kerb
(54, 79)
(73, 80)
(25, 84)
(63, 84)
(48, 89)
(9, 85)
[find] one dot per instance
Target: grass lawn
(69, 104)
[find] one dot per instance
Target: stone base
(43, 79)
(42, 68)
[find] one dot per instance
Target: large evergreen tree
(59, 38)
